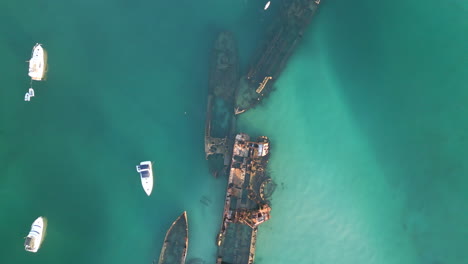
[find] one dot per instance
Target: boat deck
(245, 205)
(220, 121)
(174, 250)
(280, 43)
(241, 239)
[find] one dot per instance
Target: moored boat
(31, 92)
(27, 97)
(146, 174)
(34, 239)
(174, 250)
(37, 63)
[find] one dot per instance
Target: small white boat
(35, 236)
(146, 174)
(267, 5)
(37, 63)
(27, 97)
(31, 92)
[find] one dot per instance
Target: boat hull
(220, 121)
(37, 63)
(174, 250)
(146, 182)
(246, 205)
(35, 236)
(273, 55)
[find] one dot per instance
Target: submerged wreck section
(273, 55)
(174, 250)
(245, 205)
(220, 121)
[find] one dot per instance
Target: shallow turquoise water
(369, 139)
(367, 125)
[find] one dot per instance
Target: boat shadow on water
(44, 231)
(205, 200)
(46, 65)
(196, 261)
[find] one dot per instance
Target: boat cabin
(144, 174)
(29, 243)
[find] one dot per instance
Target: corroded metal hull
(224, 67)
(275, 52)
(220, 122)
(246, 206)
(174, 250)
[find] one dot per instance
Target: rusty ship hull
(273, 55)
(220, 120)
(246, 206)
(174, 250)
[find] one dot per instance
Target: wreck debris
(220, 120)
(275, 52)
(174, 250)
(245, 207)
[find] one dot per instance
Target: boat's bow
(174, 250)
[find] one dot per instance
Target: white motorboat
(37, 63)
(27, 97)
(31, 92)
(146, 174)
(267, 5)
(35, 236)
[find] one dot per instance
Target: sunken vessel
(246, 203)
(174, 250)
(220, 119)
(281, 40)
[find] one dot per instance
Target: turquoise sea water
(368, 130)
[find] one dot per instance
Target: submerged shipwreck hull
(174, 250)
(220, 120)
(273, 55)
(245, 206)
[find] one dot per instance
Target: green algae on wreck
(220, 120)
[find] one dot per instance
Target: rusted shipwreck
(246, 205)
(174, 250)
(220, 120)
(272, 56)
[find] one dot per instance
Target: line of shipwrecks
(237, 156)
